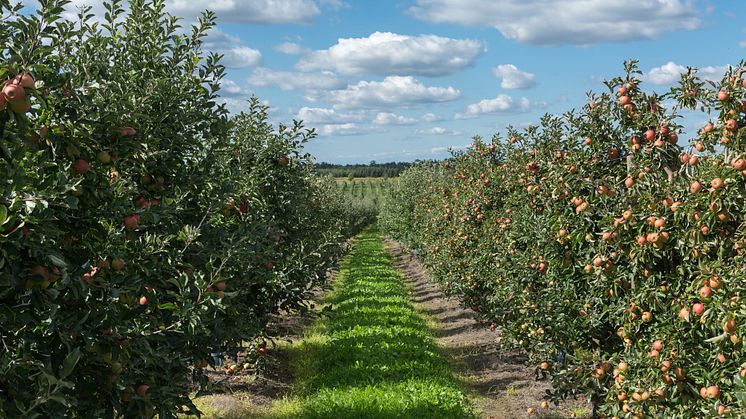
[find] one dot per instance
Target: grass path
(374, 356)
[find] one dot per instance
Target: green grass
(374, 357)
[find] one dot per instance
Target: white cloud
(502, 104)
(327, 116)
(742, 44)
(431, 117)
(290, 48)
(347, 129)
(556, 22)
(438, 131)
(386, 53)
(250, 11)
(229, 87)
(241, 57)
(291, 80)
(395, 91)
(387, 118)
(670, 73)
(513, 78)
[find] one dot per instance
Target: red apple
(127, 132)
(658, 345)
(143, 300)
(81, 166)
(131, 221)
(26, 80)
(142, 390)
(649, 134)
(14, 93)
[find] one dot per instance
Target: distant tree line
(371, 169)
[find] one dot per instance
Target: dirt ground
(499, 382)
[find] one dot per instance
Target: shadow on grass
(374, 356)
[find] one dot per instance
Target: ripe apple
(131, 221)
(26, 80)
(647, 316)
(705, 292)
(629, 182)
(81, 166)
(142, 390)
(698, 308)
(127, 132)
(283, 161)
(717, 183)
(684, 314)
(221, 286)
(14, 93)
(729, 326)
(649, 135)
(713, 392)
(695, 187)
(143, 300)
(722, 95)
(658, 345)
(739, 164)
(625, 100)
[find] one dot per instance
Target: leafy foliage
(599, 246)
(141, 227)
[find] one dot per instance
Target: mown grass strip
(374, 357)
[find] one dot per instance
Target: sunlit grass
(374, 357)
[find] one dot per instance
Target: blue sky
(394, 80)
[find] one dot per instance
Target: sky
(401, 80)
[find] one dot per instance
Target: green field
(367, 190)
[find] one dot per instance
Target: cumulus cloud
(513, 78)
(250, 11)
(229, 87)
(395, 91)
(388, 118)
(670, 73)
(438, 131)
(556, 22)
(327, 116)
(502, 104)
(347, 129)
(291, 80)
(431, 117)
(290, 48)
(386, 53)
(241, 57)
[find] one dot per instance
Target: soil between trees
(498, 382)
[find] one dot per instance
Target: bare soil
(499, 382)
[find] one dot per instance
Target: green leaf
(68, 365)
(3, 214)
(57, 261)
